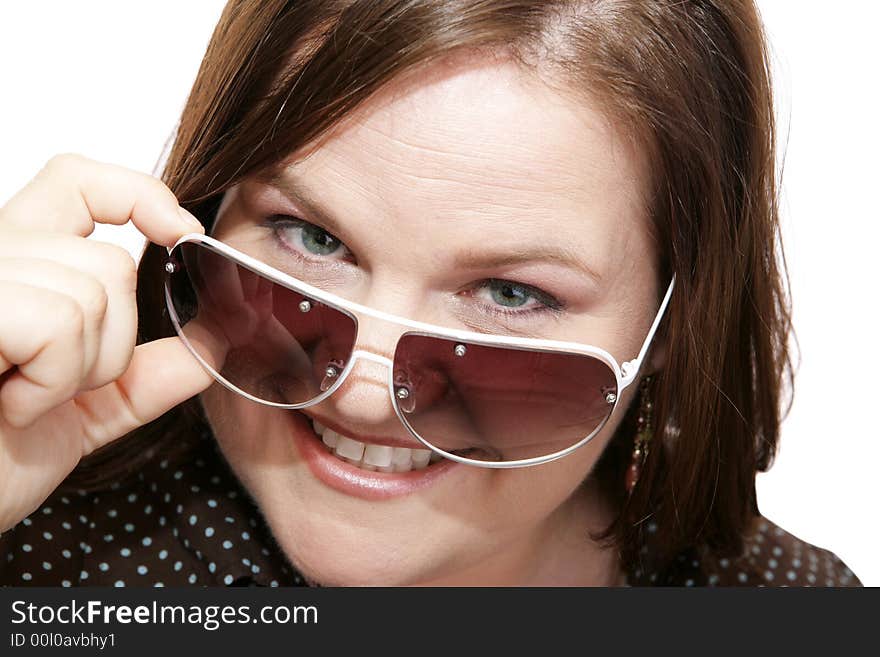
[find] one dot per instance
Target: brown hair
(688, 79)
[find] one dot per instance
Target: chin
(333, 546)
(334, 537)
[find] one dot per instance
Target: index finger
(71, 193)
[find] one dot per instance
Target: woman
(598, 175)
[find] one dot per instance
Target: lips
(343, 466)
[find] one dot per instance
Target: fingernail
(190, 219)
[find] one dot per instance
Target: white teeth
(420, 458)
(381, 458)
(401, 456)
(378, 455)
(330, 438)
(401, 459)
(348, 448)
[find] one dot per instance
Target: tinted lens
(263, 338)
(494, 403)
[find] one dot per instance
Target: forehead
(475, 143)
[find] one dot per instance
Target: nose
(362, 402)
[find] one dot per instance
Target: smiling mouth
(372, 457)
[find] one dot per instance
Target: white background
(108, 79)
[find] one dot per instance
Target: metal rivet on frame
(610, 397)
(402, 393)
(305, 306)
(460, 350)
(170, 267)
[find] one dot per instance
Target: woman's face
(475, 198)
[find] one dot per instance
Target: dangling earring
(644, 431)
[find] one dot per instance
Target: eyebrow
(294, 189)
(561, 257)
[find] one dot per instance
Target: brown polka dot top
(193, 524)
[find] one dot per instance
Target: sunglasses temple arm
(631, 368)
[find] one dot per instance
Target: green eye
(509, 295)
(319, 241)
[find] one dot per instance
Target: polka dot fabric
(175, 525)
(192, 524)
(770, 557)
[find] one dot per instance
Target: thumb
(161, 375)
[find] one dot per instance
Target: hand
(71, 378)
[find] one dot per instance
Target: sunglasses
(488, 400)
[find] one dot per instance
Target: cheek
(250, 435)
(537, 491)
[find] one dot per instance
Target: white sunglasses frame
(624, 374)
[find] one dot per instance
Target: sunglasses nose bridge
(369, 355)
(360, 394)
(378, 334)
(363, 354)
